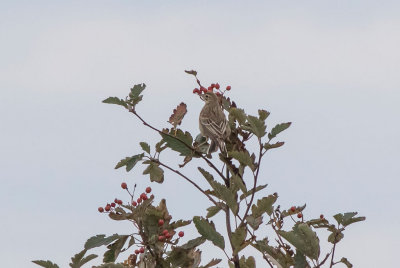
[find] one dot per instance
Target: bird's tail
(222, 147)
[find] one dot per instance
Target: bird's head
(209, 97)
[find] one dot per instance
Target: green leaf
(156, 173)
(181, 142)
(263, 114)
(247, 263)
(300, 260)
(78, 260)
(346, 262)
(239, 182)
(253, 221)
(194, 243)
(213, 211)
(304, 239)
(250, 192)
(257, 126)
(136, 90)
(278, 129)
(227, 195)
(212, 263)
(145, 146)
(46, 264)
(264, 205)
(114, 249)
(268, 146)
(243, 158)
(238, 114)
(100, 240)
(129, 162)
(348, 218)
(115, 100)
(206, 175)
(335, 236)
(238, 238)
(207, 230)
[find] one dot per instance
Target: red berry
(136, 251)
(321, 217)
(213, 85)
(167, 235)
(148, 190)
(107, 208)
(293, 209)
(119, 202)
(100, 209)
(161, 222)
(124, 185)
(134, 203)
(210, 89)
(299, 215)
(161, 238)
(113, 204)
(116, 200)
(181, 234)
(196, 90)
(203, 89)
(145, 197)
(218, 94)
(165, 232)
(228, 88)
(217, 86)
(141, 250)
(139, 200)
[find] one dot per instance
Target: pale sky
(330, 67)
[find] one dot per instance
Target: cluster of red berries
(124, 186)
(299, 215)
(210, 88)
(140, 250)
(165, 234)
(111, 205)
(142, 197)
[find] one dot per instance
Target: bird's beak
(202, 97)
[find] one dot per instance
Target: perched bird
(213, 123)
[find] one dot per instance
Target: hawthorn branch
(188, 146)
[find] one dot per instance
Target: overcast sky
(330, 67)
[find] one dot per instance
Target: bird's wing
(216, 128)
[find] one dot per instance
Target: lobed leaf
(193, 243)
(177, 115)
(263, 114)
(238, 114)
(243, 157)
(304, 239)
(278, 129)
(100, 240)
(264, 205)
(78, 260)
(207, 230)
(181, 142)
(250, 192)
(212, 263)
(213, 211)
(145, 147)
(257, 126)
(115, 100)
(129, 162)
(115, 249)
(238, 238)
(155, 172)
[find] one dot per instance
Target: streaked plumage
(213, 123)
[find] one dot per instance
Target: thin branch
(334, 247)
(255, 182)
(188, 146)
(323, 261)
(266, 258)
(186, 178)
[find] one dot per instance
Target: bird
(213, 123)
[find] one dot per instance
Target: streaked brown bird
(213, 123)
